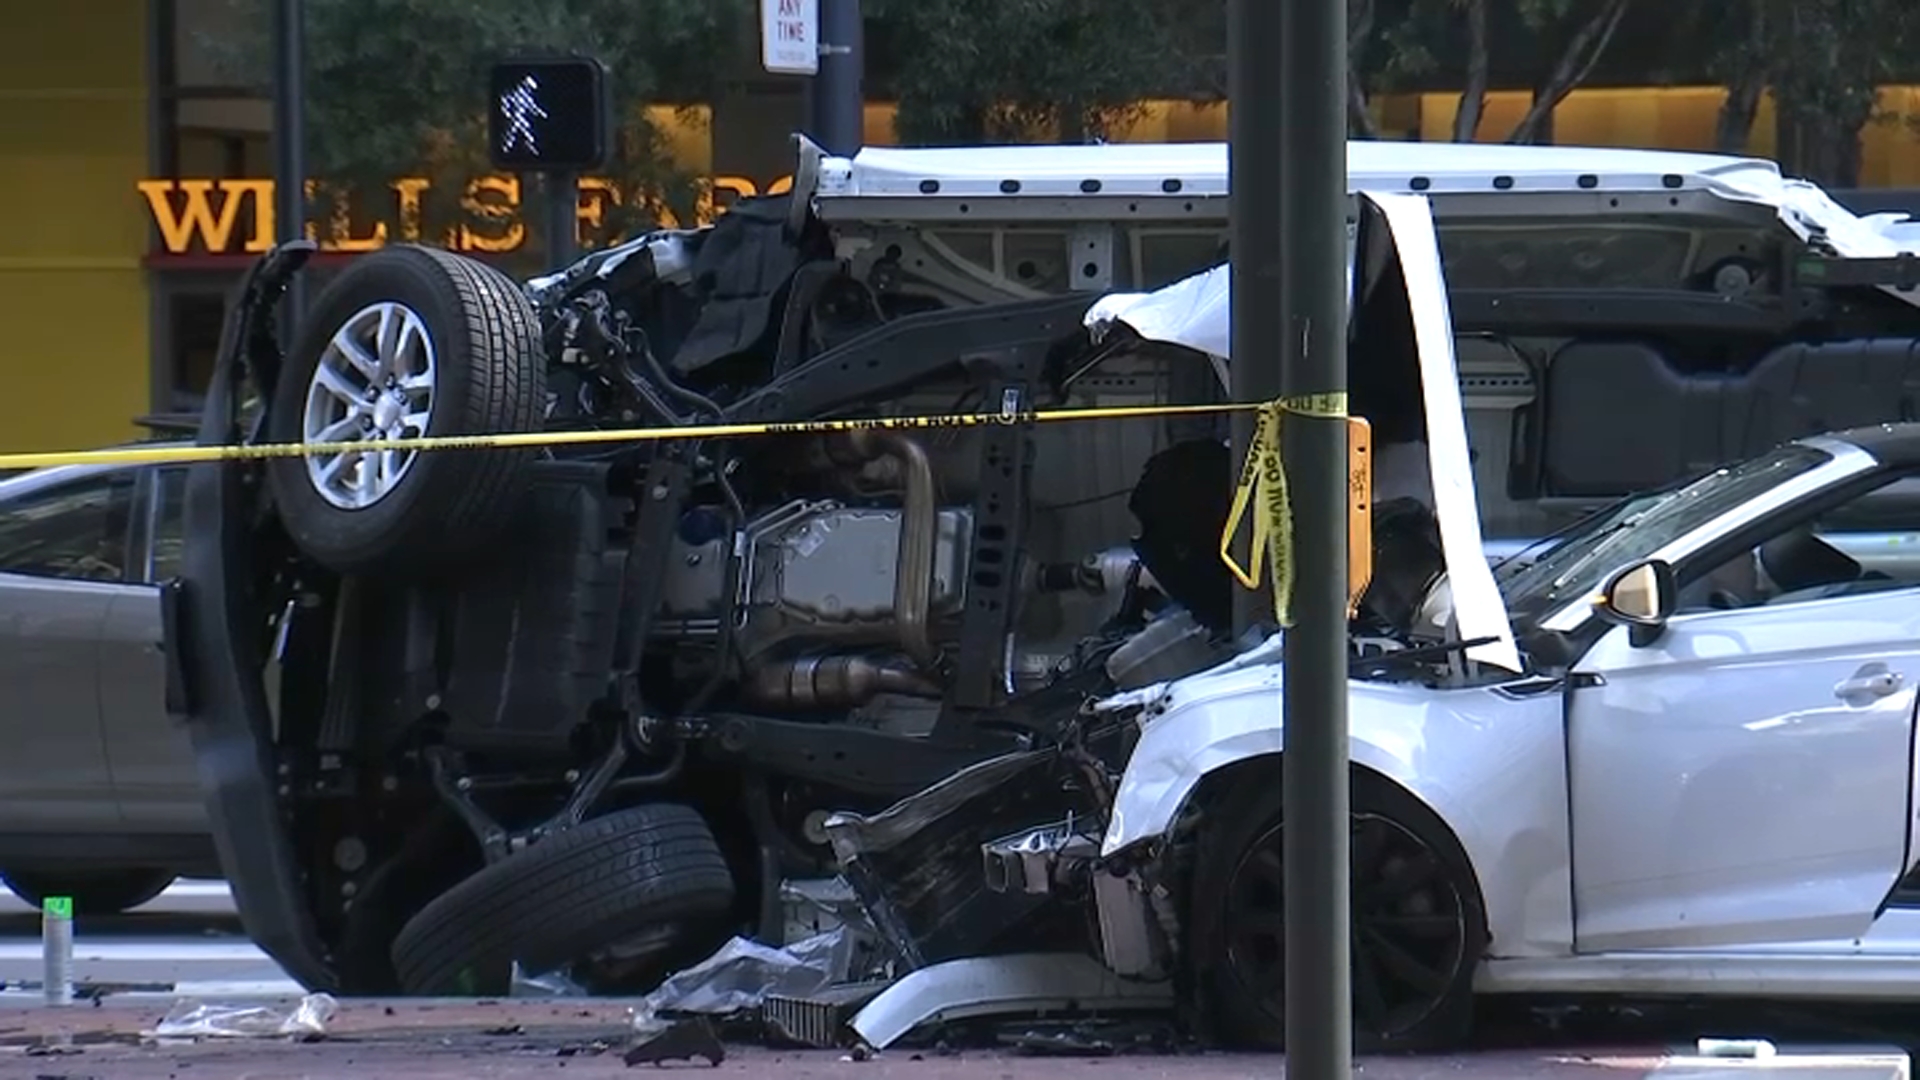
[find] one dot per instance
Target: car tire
(1235, 949)
(564, 898)
(407, 341)
(94, 892)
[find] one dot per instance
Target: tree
(972, 71)
(397, 88)
(1824, 61)
(1392, 41)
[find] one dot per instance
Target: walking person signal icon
(519, 107)
(548, 115)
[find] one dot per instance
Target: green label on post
(60, 907)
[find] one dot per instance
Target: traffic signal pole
(563, 216)
(1289, 208)
(289, 140)
(839, 99)
(1315, 767)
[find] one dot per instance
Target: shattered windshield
(1537, 584)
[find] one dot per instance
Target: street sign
(548, 115)
(790, 36)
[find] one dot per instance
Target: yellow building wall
(74, 349)
(1683, 118)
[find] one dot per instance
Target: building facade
(140, 185)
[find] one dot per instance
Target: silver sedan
(99, 799)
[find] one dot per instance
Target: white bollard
(56, 949)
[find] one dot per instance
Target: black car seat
(1804, 567)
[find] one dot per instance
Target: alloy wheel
(1408, 933)
(374, 380)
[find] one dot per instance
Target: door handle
(1878, 684)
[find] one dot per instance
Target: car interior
(1869, 544)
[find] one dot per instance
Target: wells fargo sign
(231, 217)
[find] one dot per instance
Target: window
(169, 525)
(1868, 544)
(76, 530)
(1577, 561)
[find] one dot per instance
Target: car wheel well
(1221, 785)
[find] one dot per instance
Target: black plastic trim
(230, 724)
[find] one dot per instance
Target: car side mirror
(1640, 597)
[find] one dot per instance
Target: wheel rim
(374, 380)
(1408, 932)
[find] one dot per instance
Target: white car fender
(1197, 727)
(1488, 764)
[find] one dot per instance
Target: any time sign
(790, 36)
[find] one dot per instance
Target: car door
(1747, 777)
(64, 540)
(150, 753)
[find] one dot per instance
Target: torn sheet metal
(1479, 610)
(1023, 984)
(739, 977)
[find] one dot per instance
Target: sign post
(821, 39)
(552, 117)
(1315, 770)
(1288, 199)
(289, 143)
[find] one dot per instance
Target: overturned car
(588, 706)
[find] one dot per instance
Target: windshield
(1535, 584)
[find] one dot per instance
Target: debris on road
(546, 984)
(682, 1040)
(817, 1021)
(190, 1019)
(1029, 984)
(1092, 1038)
(738, 979)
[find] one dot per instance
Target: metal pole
(563, 217)
(838, 98)
(289, 139)
(1314, 769)
(1256, 86)
(56, 949)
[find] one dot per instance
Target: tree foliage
(1553, 44)
(970, 71)
(396, 86)
(1823, 61)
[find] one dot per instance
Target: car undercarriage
(769, 630)
(589, 706)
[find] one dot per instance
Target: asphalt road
(188, 944)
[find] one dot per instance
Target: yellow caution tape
(1262, 477)
(192, 455)
(1263, 481)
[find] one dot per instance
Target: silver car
(99, 799)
